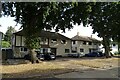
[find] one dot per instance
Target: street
(110, 73)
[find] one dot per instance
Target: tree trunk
(118, 46)
(33, 57)
(106, 46)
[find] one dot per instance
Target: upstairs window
(90, 43)
(74, 42)
(63, 41)
(84, 42)
(53, 40)
(43, 41)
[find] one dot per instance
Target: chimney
(78, 33)
(91, 36)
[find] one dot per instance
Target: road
(110, 74)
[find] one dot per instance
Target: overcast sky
(83, 31)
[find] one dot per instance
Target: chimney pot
(91, 36)
(78, 33)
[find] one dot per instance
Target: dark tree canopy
(37, 16)
(104, 17)
(8, 34)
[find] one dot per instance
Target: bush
(5, 44)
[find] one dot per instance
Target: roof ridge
(84, 38)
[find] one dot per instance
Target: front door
(53, 50)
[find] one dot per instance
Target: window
(63, 41)
(74, 42)
(23, 49)
(95, 43)
(67, 50)
(43, 40)
(45, 50)
(81, 50)
(53, 40)
(114, 44)
(90, 50)
(90, 43)
(74, 49)
(84, 42)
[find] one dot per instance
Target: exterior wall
(61, 47)
(17, 44)
(79, 45)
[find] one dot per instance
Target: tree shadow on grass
(36, 73)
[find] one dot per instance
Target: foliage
(103, 17)
(105, 21)
(8, 34)
(5, 44)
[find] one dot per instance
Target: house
(59, 44)
(84, 44)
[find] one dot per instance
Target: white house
(84, 44)
(59, 44)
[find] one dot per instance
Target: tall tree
(36, 16)
(8, 34)
(104, 20)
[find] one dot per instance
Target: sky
(83, 31)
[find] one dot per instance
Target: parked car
(101, 54)
(46, 56)
(42, 56)
(76, 55)
(94, 54)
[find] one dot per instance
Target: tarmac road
(110, 74)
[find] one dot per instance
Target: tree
(105, 21)
(36, 16)
(5, 44)
(8, 34)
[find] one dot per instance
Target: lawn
(59, 66)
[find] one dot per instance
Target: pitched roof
(46, 34)
(1, 32)
(84, 38)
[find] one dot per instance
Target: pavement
(113, 73)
